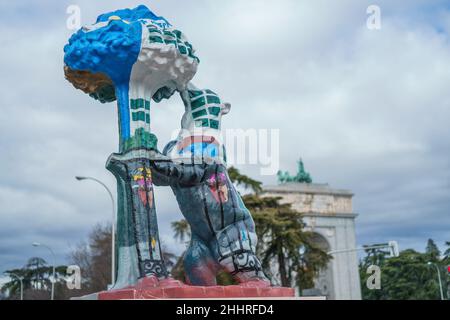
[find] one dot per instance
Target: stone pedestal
(169, 288)
(194, 292)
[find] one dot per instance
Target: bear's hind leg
(235, 248)
(199, 265)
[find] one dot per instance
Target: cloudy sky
(367, 110)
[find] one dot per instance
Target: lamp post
(37, 244)
(392, 245)
(439, 278)
(113, 232)
(21, 283)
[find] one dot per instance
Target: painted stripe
(214, 111)
(139, 116)
(124, 114)
(212, 99)
(135, 232)
(139, 104)
(222, 216)
(155, 39)
(202, 123)
(182, 49)
(168, 41)
(205, 210)
(195, 139)
(195, 93)
(231, 195)
(198, 103)
(214, 124)
(169, 33)
(200, 113)
(148, 208)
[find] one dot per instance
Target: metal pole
(357, 249)
(441, 291)
(21, 284)
(113, 229)
(54, 273)
(36, 244)
(440, 281)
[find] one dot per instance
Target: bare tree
(94, 259)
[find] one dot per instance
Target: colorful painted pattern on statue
(223, 231)
(142, 178)
(137, 228)
(164, 35)
(200, 137)
(205, 108)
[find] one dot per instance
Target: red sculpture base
(172, 289)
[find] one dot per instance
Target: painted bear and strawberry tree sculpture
(138, 58)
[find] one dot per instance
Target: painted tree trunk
(138, 249)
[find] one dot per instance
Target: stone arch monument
(329, 214)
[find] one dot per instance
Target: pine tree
(408, 276)
(432, 251)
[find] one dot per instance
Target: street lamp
(37, 244)
(113, 232)
(392, 245)
(439, 278)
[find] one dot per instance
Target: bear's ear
(226, 108)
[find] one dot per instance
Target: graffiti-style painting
(217, 184)
(142, 183)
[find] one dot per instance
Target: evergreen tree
(35, 275)
(243, 180)
(181, 230)
(447, 251)
(432, 251)
(281, 235)
(406, 277)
